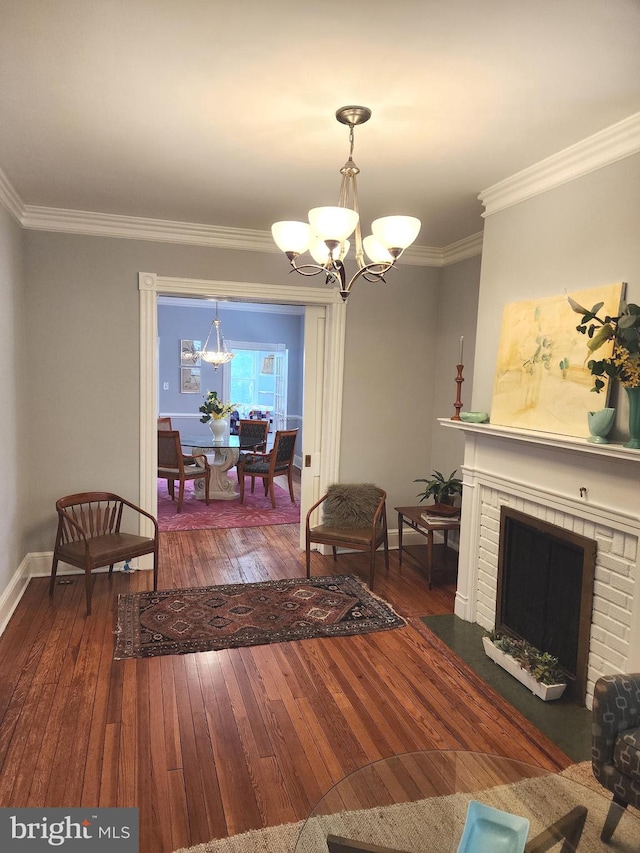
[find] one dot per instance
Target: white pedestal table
(222, 455)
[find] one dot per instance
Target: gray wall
(388, 399)
(402, 349)
(82, 297)
(14, 392)
(457, 316)
(579, 235)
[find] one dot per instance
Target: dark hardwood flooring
(211, 744)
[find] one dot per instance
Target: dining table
(222, 454)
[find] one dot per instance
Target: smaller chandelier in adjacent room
(221, 355)
(327, 232)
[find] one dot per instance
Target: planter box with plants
(538, 671)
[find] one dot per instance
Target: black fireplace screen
(545, 590)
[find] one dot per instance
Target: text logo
(70, 830)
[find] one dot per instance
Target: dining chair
(164, 423)
(250, 431)
(354, 517)
(89, 536)
(174, 465)
(267, 466)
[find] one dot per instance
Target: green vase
(600, 424)
(634, 418)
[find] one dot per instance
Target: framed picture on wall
(542, 379)
(189, 380)
(268, 363)
(190, 353)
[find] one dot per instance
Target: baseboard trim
(11, 596)
(38, 565)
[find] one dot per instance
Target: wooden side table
(412, 517)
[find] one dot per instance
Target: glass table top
(419, 802)
(207, 442)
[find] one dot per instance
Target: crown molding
(602, 149)
(167, 231)
(90, 223)
(468, 247)
(10, 198)
(142, 228)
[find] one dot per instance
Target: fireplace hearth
(545, 591)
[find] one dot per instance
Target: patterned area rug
(256, 511)
(180, 621)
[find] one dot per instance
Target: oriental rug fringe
(181, 621)
(435, 824)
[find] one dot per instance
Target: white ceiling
(222, 113)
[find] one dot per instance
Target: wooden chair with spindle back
(89, 536)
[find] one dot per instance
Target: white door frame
(323, 373)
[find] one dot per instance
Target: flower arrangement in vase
(213, 407)
(624, 362)
(215, 413)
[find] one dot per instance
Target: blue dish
(489, 830)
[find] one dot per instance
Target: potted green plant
(624, 330)
(539, 671)
(441, 489)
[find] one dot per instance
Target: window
(256, 380)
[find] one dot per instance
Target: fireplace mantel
(590, 489)
(550, 439)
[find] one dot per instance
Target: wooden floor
(211, 744)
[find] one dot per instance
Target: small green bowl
(475, 417)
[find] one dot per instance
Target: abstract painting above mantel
(542, 381)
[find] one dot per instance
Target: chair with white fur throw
(355, 517)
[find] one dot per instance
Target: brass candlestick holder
(458, 403)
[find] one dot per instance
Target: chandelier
(221, 355)
(326, 234)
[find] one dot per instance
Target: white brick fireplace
(590, 489)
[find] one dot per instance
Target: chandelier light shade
(220, 355)
(326, 233)
(396, 232)
(374, 249)
(292, 237)
(333, 224)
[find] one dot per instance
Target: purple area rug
(256, 511)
